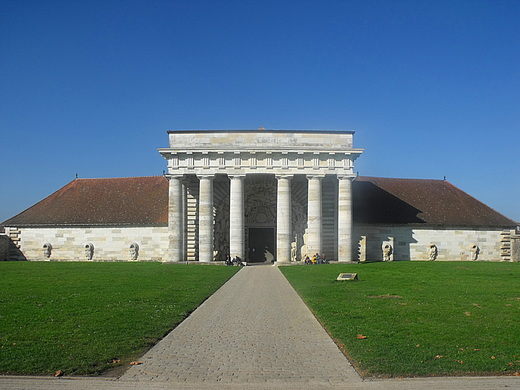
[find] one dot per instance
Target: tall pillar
(314, 214)
(283, 219)
(344, 218)
(175, 221)
(236, 216)
(206, 218)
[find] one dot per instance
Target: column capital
(346, 177)
(315, 176)
(173, 176)
(288, 177)
(236, 176)
(205, 176)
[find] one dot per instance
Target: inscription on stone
(347, 276)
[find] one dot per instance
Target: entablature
(260, 161)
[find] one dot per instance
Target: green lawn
(79, 317)
(420, 318)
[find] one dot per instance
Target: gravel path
(255, 329)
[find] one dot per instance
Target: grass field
(419, 318)
(83, 318)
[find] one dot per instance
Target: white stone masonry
(283, 219)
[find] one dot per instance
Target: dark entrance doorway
(261, 244)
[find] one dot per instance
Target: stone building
(261, 195)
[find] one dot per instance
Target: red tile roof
(114, 201)
(379, 200)
(143, 201)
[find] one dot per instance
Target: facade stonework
(109, 243)
(413, 243)
(261, 167)
(261, 195)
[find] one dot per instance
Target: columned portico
(283, 219)
(345, 218)
(206, 218)
(312, 213)
(236, 216)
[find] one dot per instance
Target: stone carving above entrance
(260, 202)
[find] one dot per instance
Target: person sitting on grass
(315, 258)
(228, 260)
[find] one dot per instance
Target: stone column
(344, 218)
(283, 219)
(314, 214)
(236, 216)
(175, 226)
(206, 218)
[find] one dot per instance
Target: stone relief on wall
(260, 210)
(362, 249)
(260, 203)
(47, 250)
(303, 249)
(221, 231)
(220, 221)
(293, 251)
(432, 252)
(134, 251)
(299, 228)
(474, 251)
(387, 252)
(89, 251)
(299, 218)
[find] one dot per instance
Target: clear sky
(432, 88)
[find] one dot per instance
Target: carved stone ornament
(475, 251)
(387, 252)
(299, 218)
(134, 251)
(221, 229)
(293, 251)
(432, 252)
(260, 203)
(47, 250)
(89, 251)
(304, 250)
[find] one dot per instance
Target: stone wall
(113, 243)
(109, 243)
(413, 243)
(515, 247)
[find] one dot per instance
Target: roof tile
(143, 201)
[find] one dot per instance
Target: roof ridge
(117, 178)
(398, 178)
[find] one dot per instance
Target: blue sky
(432, 88)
